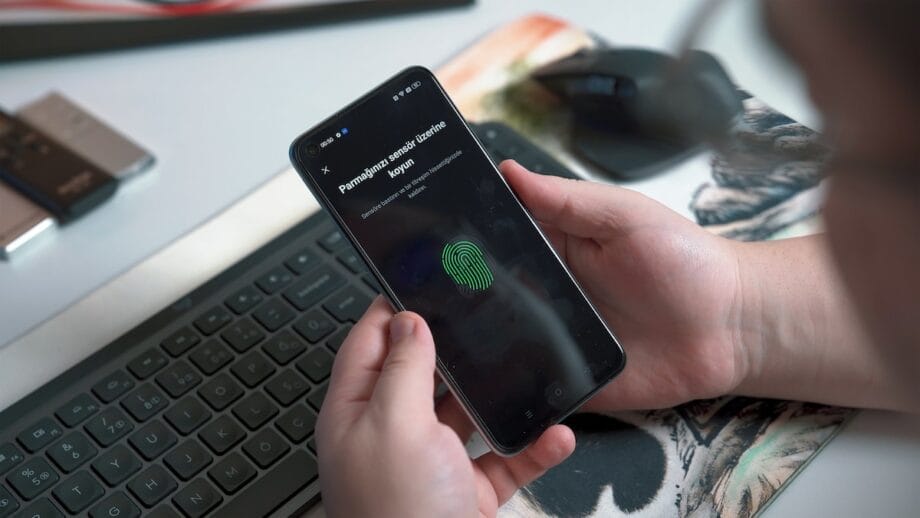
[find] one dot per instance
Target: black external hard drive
(64, 183)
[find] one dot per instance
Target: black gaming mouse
(637, 110)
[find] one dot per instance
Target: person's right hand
(668, 289)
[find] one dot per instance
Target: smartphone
(518, 343)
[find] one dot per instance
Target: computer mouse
(637, 110)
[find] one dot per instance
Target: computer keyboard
(208, 407)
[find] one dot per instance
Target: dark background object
(54, 177)
(637, 111)
(34, 40)
(503, 142)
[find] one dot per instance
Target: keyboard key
(232, 473)
(72, 451)
(348, 304)
(212, 320)
(144, 402)
(287, 387)
(39, 434)
(252, 368)
(221, 391)
(149, 362)
(297, 423)
(109, 426)
(303, 261)
(275, 279)
(77, 410)
(8, 503)
(351, 260)
(311, 289)
(273, 314)
(116, 465)
(187, 415)
(277, 485)
(33, 477)
(243, 334)
(117, 505)
(335, 341)
(41, 508)
(188, 459)
(197, 498)
(284, 347)
(316, 365)
(152, 485)
(152, 440)
(211, 356)
(113, 386)
(244, 299)
(180, 341)
(316, 397)
(178, 378)
(255, 410)
(314, 326)
(222, 434)
(372, 283)
(78, 492)
(333, 241)
(9, 457)
(266, 448)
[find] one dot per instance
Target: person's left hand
(384, 451)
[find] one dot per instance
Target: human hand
(667, 288)
(385, 451)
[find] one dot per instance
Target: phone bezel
(298, 146)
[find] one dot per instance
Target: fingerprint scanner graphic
(465, 263)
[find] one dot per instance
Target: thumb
(406, 381)
(577, 207)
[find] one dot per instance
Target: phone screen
(516, 339)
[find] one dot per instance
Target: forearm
(801, 337)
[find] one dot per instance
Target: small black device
(639, 110)
(64, 183)
(517, 341)
(196, 372)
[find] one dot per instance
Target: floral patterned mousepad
(723, 457)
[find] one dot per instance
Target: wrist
(748, 327)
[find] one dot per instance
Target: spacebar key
(274, 489)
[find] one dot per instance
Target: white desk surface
(219, 116)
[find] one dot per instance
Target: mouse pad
(724, 457)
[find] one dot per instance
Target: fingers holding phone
(378, 432)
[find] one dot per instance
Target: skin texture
(668, 289)
(866, 91)
(383, 449)
(701, 316)
(829, 318)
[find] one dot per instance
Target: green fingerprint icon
(466, 265)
